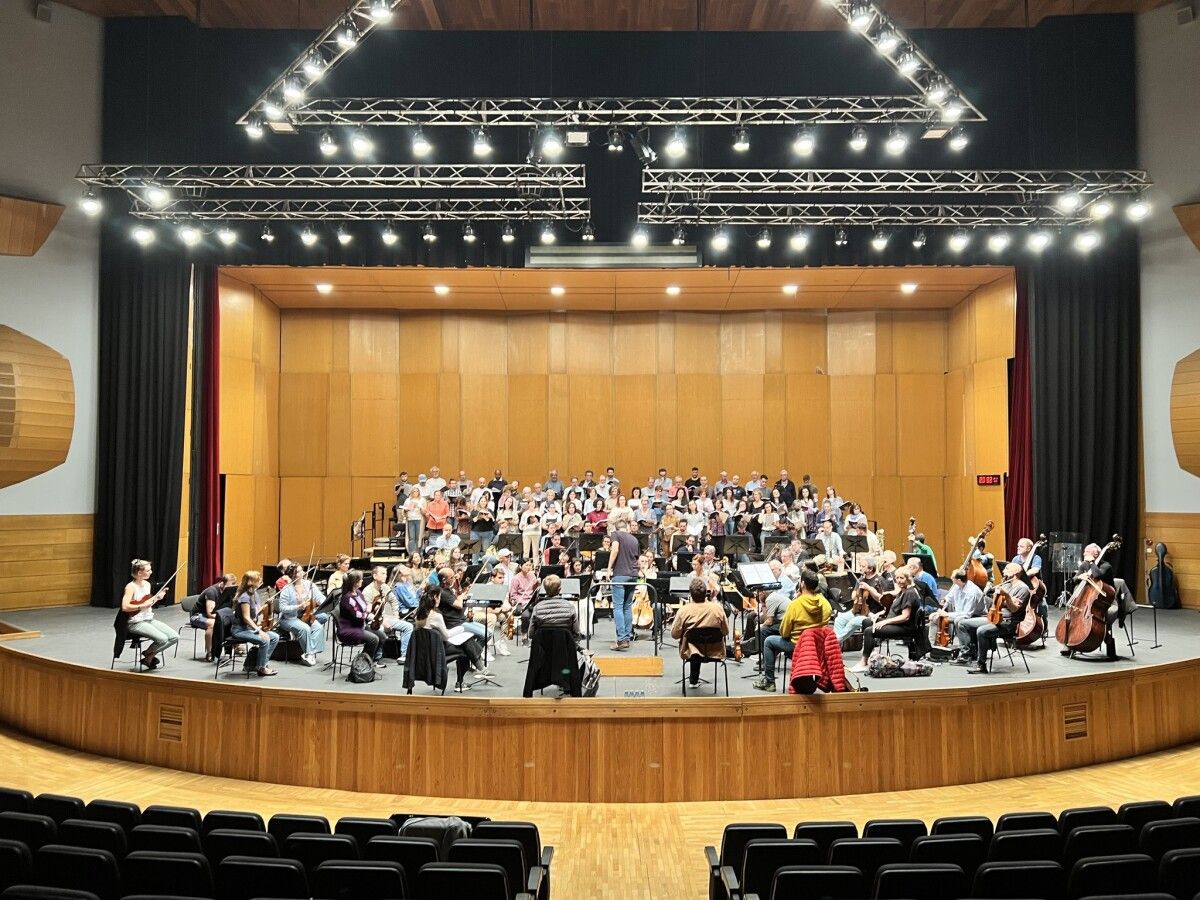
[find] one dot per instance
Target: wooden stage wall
(34, 544)
(899, 410)
(603, 750)
(1181, 533)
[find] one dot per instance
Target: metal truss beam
(360, 210)
(705, 213)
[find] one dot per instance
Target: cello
(1032, 629)
(975, 572)
(1083, 627)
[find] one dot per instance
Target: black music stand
(600, 560)
(643, 539)
(773, 539)
(590, 542)
(509, 542)
(813, 547)
(734, 546)
(854, 545)
(683, 561)
(545, 571)
(469, 547)
(486, 596)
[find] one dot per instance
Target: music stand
(546, 571)
(813, 547)
(509, 542)
(927, 562)
(590, 542)
(683, 561)
(643, 539)
(600, 560)
(469, 547)
(734, 545)
(856, 544)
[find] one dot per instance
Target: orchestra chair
(1158, 838)
(41, 892)
(980, 825)
(1179, 873)
(479, 881)
(13, 800)
(1138, 814)
(228, 818)
(224, 644)
(1027, 844)
(176, 816)
(734, 839)
(1023, 821)
(549, 644)
(360, 878)
(363, 829)
(188, 605)
(507, 854)
(967, 851)
(867, 855)
(904, 830)
(78, 869)
(427, 653)
(531, 839)
(832, 882)
(134, 643)
(703, 636)
(1183, 806)
(1127, 873)
(31, 830)
(929, 881)
(58, 807)
(340, 648)
(763, 858)
(126, 815)
(165, 839)
(1008, 644)
(247, 877)
(313, 849)
(16, 862)
(410, 852)
(1069, 819)
(825, 833)
(1008, 879)
(167, 874)
(1098, 840)
(94, 835)
(224, 842)
(281, 826)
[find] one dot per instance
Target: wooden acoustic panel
(1181, 533)
(25, 225)
(1189, 217)
(37, 407)
(34, 544)
(1185, 412)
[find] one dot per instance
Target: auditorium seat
(980, 825)
(1173, 834)
(1179, 873)
(1098, 840)
(1009, 880)
(1086, 815)
(763, 857)
(1026, 844)
(1135, 815)
(410, 852)
(733, 844)
(248, 877)
(227, 818)
(507, 854)
(336, 879)
(283, 824)
(967, 851)
(171, 874)
(127, 815)
(78, 869)
(222, 842)
(313, 849)
(867, 854)
(59, 807)
(165, 839)
(1183, 806)
(174, 816)
(825, 833)
(904, 830)
(14, 800)
(479, 881)
(95, 835)
(30, 829)
(529, 836)
(1126, 873)
(1024, 821)
(363, 829)
(39, 892)
(16, 862)
(826, 882)
(928, 881)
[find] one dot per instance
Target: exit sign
(988, 480)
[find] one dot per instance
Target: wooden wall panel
(921, 424)
(1181, 533)
(31, 546)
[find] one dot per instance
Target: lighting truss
(888, 181)
(364, 210)
(603, 112)
(717, 213)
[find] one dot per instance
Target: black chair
(342, 649)
(363, 829)
(1009, 880)
(78, 869)
(1184, 806)
(967, 851)
(31, 830)
(904, 830)
(1139, 896)
(165, 839)
(223, 842)
(313, 849)
(59, 807)
(410, 852)
(529, 836)
(188, 606)
(826, 882)
(1135, 815)
(507, 854)
(764, 857)
(550, 645)
(427, 658)
(38, 892)
(1179, 873)
(16, 863)
(1029, 844)
(1174, 834)
(1025, 821)
(825, 833)
(167, 874)
(733, 847)
(1086, 815)
(867, 854)
(1098, 840)
(699, 637)
(283, 825)
(1127, 873)
(96, 835)
(247, 877)
(227, 818)
(980, 825)
(362, 879)
(174, 816)
(929, 881)
(13, 800)
(127, 815)
(479, 881)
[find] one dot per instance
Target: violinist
(212, 598)
(447, 540)
(1100, 570)
(872, 584)
(353, 619)
(341, 565)
(138, 603)
(1016, 596)
(901, 621)
(293, 601)
(246, 626)
(964, 600)
(379, 593)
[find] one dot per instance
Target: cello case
(1163, 590)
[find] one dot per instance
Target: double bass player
(1099, 570)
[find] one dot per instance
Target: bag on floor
(884, 665)
(589, 675)
(362, 669)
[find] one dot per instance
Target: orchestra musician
(1091, 566)
(246, 626)
(902, 620)
(925, 584)
(353, 619)
(1033, 566)
(212, 598)
(701, 612)
(460, 644)
(830, 540)
(292, 601)
(919, 546)
(341, 565)
(379, 593)
(1016, 596)
(137, 603)
(964, 600)
(521, 588)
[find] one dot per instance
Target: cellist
(1100, 570)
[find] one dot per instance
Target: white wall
(1169, 148)
(50, 91)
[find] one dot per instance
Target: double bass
(976, 573)
(1083, 627)
(1032, 629)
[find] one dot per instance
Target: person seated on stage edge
(553, 610)
(521, 588)
(138, 604)
(292, 601)
(461, 644)
(212, 598)
(925, 584)
(341, 565)
(353, 613)
(701, 612)
(246, 625)
(901, 621)
(393, 624)
(964, 600)
(977, 636)
(808, 610)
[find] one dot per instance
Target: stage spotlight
(720, 240)
(272, 110)
(860, 16)
(551, 143)
(323, 287)
(508, 235)
(254, 127)
(953, 110)
(1138, 209)
(960, 240)
(548, 236)
(428, 235)
(381, 10)
(389, 236)
(267, 235)
(1069, 202)
(143, 234)
(999, 242)
(764, 239)
(919, 239)
(679, 236)
(1101, 208)
(189, 234)
(640, 239)
(361, 143)
(644, 152)
(1086, 241)
(314, 66)
(790, 289)
(293, 90)
(936, 93)
(1039, 240)
(677, 144)
(908, 287)
(897, 141)
(347, 35)
(958, 139)
(90, 203)
(839, 238)
(468, 234)
(482, 145)
(156, 196)
(798, 240)
(329, 144)
(908, 64)
(343, 236)
(880, 240)
(805, 142)
(741, 140)
(616, 140)
(308, 237)
(227, 236)
(420, 144)
(672, 290)
(858, 139)
(887, 41)
(441, 289)
(557, 290)
(589, 233)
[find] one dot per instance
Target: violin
(1083, 627)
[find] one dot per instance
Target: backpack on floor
(362, 669)
(589, 675)
(882, 665)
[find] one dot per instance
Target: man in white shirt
(754, 483)
(788, 561)
(447, 540)
(830, 540)
(662, 481)
(435, 482)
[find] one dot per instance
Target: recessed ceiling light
(558, 290)
(790, 289)
(672, 290)
(908, 287)
(441, 290)
(324, 288)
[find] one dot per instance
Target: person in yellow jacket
(808, 610)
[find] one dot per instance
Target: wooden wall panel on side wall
(43, 543)
(1181, 533)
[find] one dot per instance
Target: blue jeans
(413, 527)
(311, 638)
(402, 630)
(478, 629)
(622, 606)
(770, 648)
(264, 644)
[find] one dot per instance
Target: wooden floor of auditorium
(650, 851)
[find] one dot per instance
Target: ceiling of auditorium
(614, 15)
(617, 290)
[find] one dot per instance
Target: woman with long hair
(138, 603)
(461, 645)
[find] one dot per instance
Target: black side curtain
(144, 307)
(1084, 337)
